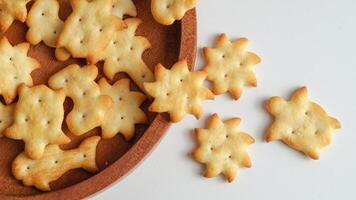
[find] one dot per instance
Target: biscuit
(300, 123)
(11, 10)
(222, 147)
(123, 7)
(38, 118)
(125, 113)
(230, 66)
(54, 163)
(124, 54)
(167, 11)
(16, 68)
(90, 106)
(89, 29)
(178, 91)
(45, 25)
(6, 116)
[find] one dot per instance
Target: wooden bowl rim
(141, 148)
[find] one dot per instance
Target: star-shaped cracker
(15, 67)
(124, 7)
(45, 25)
(124, 54)
(90, 105)
(300, 123)
(126, 111)
(89, 29)
(6, 116)
(38, 118)
(167, 11)
(178, 91)
(54, 163)
(230, 66)
(11, 10)
(222, 147)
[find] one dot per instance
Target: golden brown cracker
(89, 29)
(38, 118)
(90, 106)
(300, 123)
(124, 54)
(230, 66)
(178, 91)
(54, 163)
(222, 147)
(45, 25)
(126, 111)
(16, 68)
(11, 10)
(167, 11)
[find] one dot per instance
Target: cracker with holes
(167, 11)
(38, 118)
(11, 10)
(300, 123)
(15, 67)
(90, 105)
(126, 111)
(6, 116)
(178, 91)
(89, 29)
(123, 7)
(124, 54)
(230, 66)
(222, 147)
(54, 163)
(45, 25)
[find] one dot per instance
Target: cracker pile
(97, 31)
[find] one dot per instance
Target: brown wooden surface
(115, 157)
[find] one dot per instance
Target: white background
(304, 42)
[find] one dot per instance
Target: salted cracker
(89, 29)
(124, 54)
(178, 91)
(45, 25)
(222, 147)
(15, 67)
(6, 116)
(230, 66)
(54, 163)
(11, 10)
(123, 7)
(167, 11)
(38, 118)
(125, 112)
(90, 105)
(300, 123)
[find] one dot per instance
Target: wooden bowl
(115, 157)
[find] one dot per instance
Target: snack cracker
(178, 91)
(300, 123)
(222, 147)
(90, 105)
(11, 10)
(54, 163)
(38, 118)
(16, 68)
(167, 11)
(126, 111)
(124, 54)
(230, 66)
(45, 25)
(89, 29)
